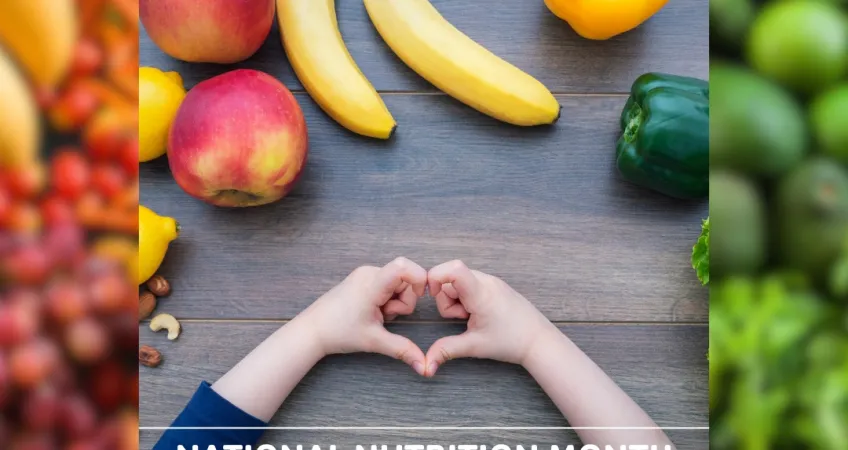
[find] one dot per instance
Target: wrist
(546, 343)
(307, 336)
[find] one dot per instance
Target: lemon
(155, 233)
(159, 97)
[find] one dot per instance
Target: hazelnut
(146, 305)
(149, 356)
(159, 286)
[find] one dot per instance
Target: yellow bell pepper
(603, 19)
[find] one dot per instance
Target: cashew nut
(167, 322)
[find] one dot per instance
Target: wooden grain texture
(663, 367)
(522, 32)
(543, 208)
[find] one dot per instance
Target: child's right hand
(502, 324)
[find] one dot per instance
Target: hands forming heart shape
(502, 324)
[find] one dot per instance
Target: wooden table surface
(543, 208)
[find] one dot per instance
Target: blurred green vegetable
(701, 253)
(829, 121)
(802, 44)
(776, 367)
(738, 221)
(756, 128)
(811, 215)
(729, 22)
(779, 325)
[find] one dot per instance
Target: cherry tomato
(108, 180)
(88, 57)
(5, 204)
(56, 211)
(45, 97)
(23, 217)
(105, 135)
(129, 157)
(70, 174)
(76, 105)
(25, 182)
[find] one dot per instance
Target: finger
(457, 274)
(450, 308)
(450, 347)
(403, 305)
(399, 347)
(401, 287)
(450, 290)
(392, 276)
(389, 317)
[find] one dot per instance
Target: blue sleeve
(208, 409)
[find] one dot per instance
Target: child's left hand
(349, 318)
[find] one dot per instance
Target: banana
(454, 63)
(321, 61)
(41, 35)
(19, 128)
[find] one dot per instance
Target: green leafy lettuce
(701, 253)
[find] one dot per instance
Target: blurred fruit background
(779, 224)
(68, 224)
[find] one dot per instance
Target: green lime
(801, 44)
(756, 127)
(829, 121)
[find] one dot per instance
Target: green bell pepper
(665, 144)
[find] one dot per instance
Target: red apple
(214, 31)
(239, 139)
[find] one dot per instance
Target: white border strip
(424, 428)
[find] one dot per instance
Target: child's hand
(349, 318)
(502, 324)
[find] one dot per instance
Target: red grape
(124, 329)
(63, 378)
(109, 292)
(69, 174)
(40, 408)
(106, 386)
(41, 441)
(19, 320)
(5, 430)
(32, 363)
(4, 389)
(108, 180)
(132, 391)
(87, 340)
(65, 244)
(88, 444)
(27, 264)
(55, 211)
(77, 417)
(66, 301)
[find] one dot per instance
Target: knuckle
(458, 265)
(446, 356)
(402, 353)
(401, 261)
(361, 271)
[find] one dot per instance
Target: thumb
(399, 347)
(450, 347)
